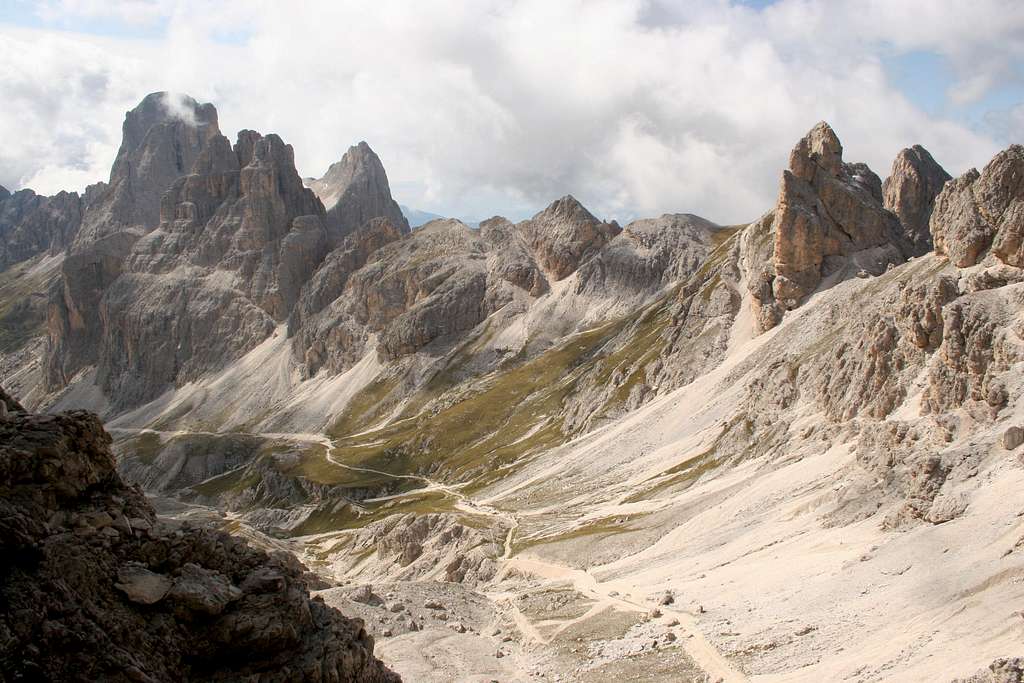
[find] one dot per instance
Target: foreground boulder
(93, 586)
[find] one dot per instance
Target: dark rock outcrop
(910, 192)
(93, 586)
(979, 212)
(355, 190)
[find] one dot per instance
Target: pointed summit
(820, 148)
(565, 235)
(164, 137)
(829, 217)
(566, 208)
(356, 189)
(910, 192)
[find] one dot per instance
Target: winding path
(605, 595)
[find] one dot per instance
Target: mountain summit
(356, 189)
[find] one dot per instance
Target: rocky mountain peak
(979, 212)
(356, 189)
(4, 193)
(565, 235)
(164, 137)
(162, 109)
(820, 148)
(829, 217)
(566, 208)
(910, 191)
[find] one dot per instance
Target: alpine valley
(559, 449)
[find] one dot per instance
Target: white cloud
(478, 108)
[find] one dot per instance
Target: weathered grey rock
(910, 191)
(142, 586)
(1002, 670)
(164, 138)
(31, 224)
(648, 255)
(355, 190)
(565, 235)
(1013, 437)
(982, 211)
(201, 590)
(226, 265)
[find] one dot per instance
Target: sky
(481, 108)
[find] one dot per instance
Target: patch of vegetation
(346, 516)
(234, 481)
(597, 530)
(643, 346)
(505, 416)
(365, 407)
(145, 446)
(724, 234)
(686, 473)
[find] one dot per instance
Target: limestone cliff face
(164, 137)
(910, 192)
(979, 213)
(829, 217)
(355, 190)
(97, 587)
(31, 224)
(226, 265)
(564, 235)
(410, 292)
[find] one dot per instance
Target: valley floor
(629, 554)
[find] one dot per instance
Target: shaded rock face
(164, 137)
(829, 216)
(564, 235)
(979, 213)
(354, 190)
(226, 265)
(648, 254)
(74, 326)
(442, 281)
(910, 192)
(195, 251)
(409, 292)
(96, 587)
(31, 224)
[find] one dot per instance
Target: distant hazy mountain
(416, 217)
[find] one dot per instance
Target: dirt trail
(696, 645)
(605, 595)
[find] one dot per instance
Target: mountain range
(559, 447)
